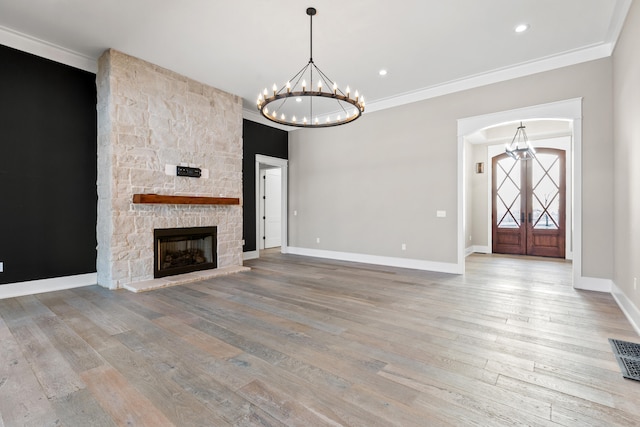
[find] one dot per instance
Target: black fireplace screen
(183, 250)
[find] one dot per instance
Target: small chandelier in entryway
(310, 98)
(520, 148)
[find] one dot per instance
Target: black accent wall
(257, 139)
(48, 168)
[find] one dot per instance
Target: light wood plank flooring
(306, 342)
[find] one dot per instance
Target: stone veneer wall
(149, 117)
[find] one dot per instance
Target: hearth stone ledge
(181, 279)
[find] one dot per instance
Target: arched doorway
(563, 110)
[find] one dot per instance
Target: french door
(529, 204)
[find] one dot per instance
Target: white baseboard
(468, 251)
(592, 284)
(628, 308)
(416, 264)
(31, 287)
(249, 255)
(477, 249)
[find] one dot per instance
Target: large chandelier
(310, 98)
(520, 147)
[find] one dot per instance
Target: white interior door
(272, 208)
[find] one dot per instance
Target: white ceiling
(429, 47)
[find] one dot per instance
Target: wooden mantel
(184, 200)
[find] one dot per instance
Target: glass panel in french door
(545, 189)
(509, 186)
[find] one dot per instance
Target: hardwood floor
(305, 342)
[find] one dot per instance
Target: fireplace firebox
(183, 250)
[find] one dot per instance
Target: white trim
(628, 308)
(461, 213)
(592, 284)
(479, 249)
(597, 51)
(253, 115)
(570, 109)
(249, 255)
(468, 251)
(44, 49)
(31, 287)
(618, 17)
(284, 165)
(416, 264)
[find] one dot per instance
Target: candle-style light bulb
(304, 120)
(357, 96)
(288, 87)
(293, 119)
(275, 88)
(266, 110)
(282, 116)
(348, 91)
(317, 121)
(273, 114)
(320, 86)
(335, 88)
(304, 85)
(328, 119)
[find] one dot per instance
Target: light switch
(441, 214)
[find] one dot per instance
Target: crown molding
(598, 51)
(618, 18)
(44, 49)
(253, 115)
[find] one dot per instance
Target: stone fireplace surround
(150, 117)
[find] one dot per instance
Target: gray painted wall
(368, 187)
(480, 189)
(626, 90)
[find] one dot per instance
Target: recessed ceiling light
(382, 72)
(521, 28)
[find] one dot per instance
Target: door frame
(263, 203)
(567, 146)
(283, 164)
(570, 109)
(494, 151)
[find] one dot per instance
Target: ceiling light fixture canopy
(520, 148)
(314, 107)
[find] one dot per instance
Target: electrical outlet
(317, 240)
(404, 246)
(1, 267)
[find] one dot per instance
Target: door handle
(521, 217)
(529, 217)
